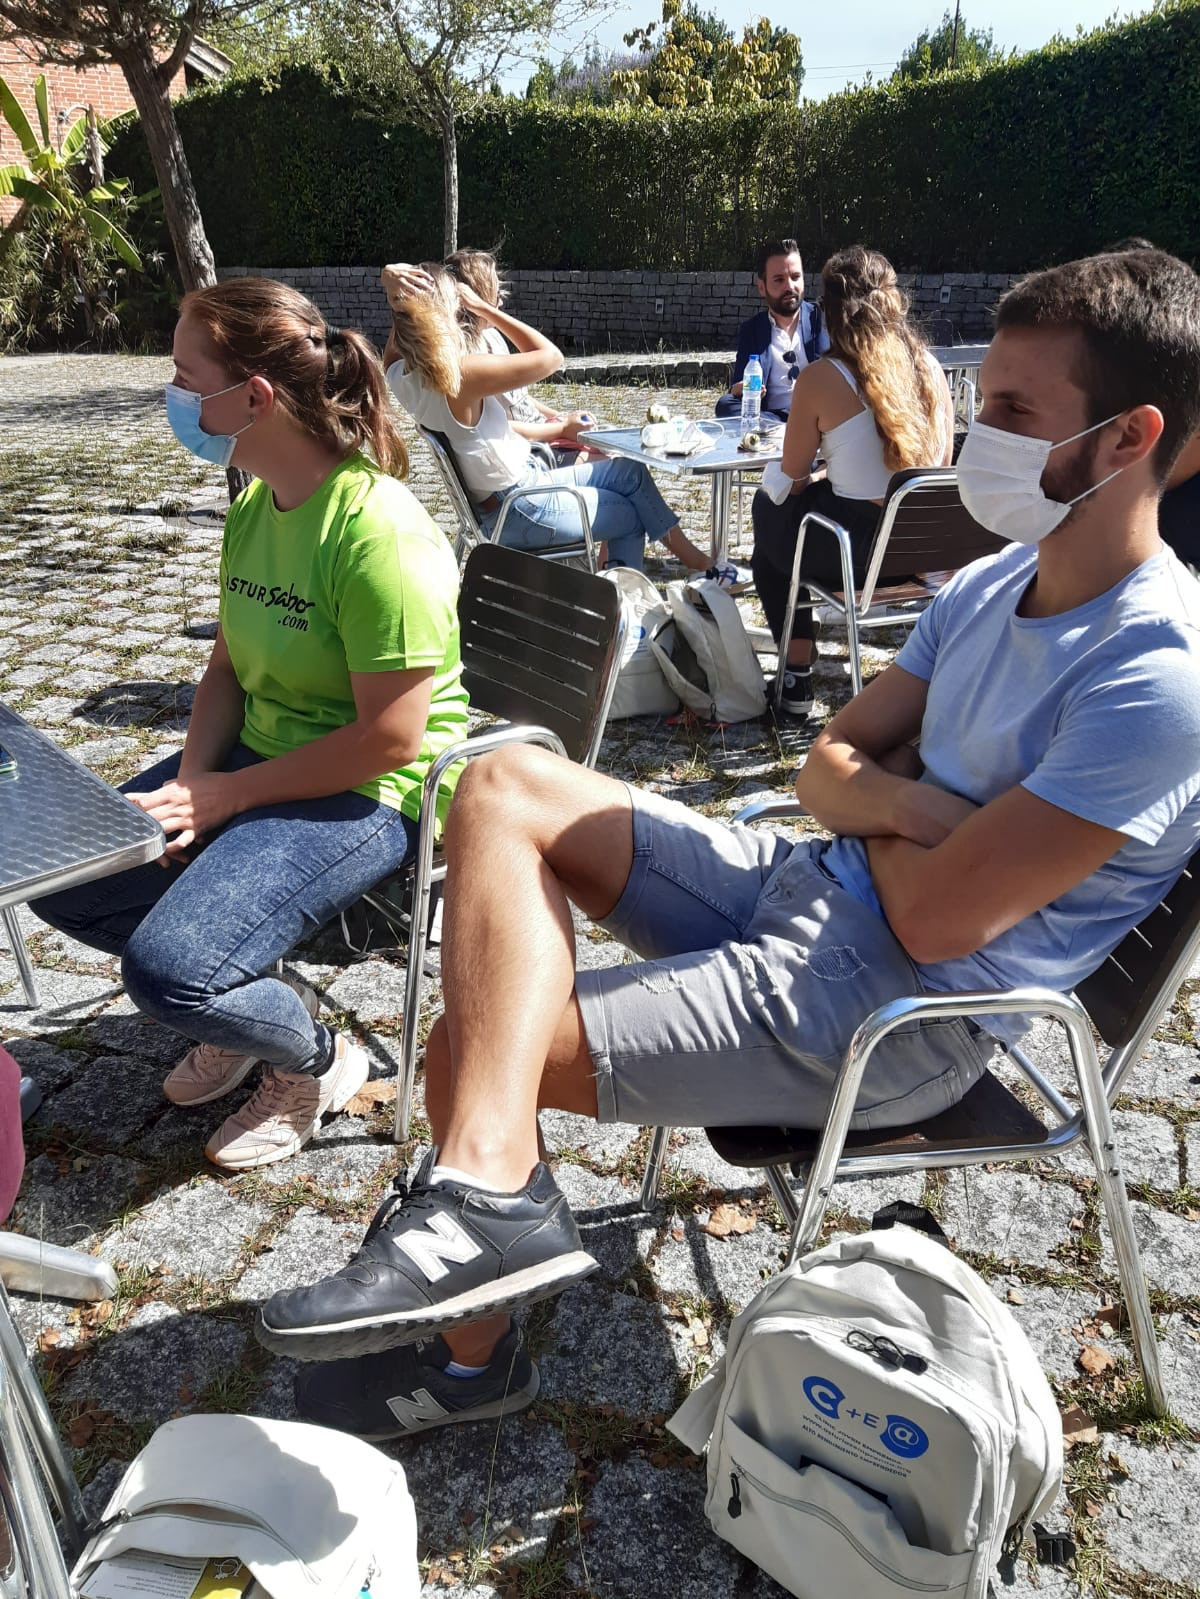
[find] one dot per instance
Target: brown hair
(1137, 313)
(328, 380)
(866, 314)
(480, 271)
(428, 334)
(770, 247)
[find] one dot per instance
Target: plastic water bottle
(752, 387)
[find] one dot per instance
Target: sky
(842, 42)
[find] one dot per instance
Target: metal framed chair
(36, 1483)
(1123, 1001)
(923, 527)
(470, 531)
(541, 643)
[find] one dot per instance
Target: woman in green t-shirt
(333, 684)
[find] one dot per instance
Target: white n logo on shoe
(411, 1411)
(444, 1240)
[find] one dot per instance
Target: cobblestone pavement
(106, 610)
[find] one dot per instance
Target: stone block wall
(601, 311)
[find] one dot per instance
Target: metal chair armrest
(550, 488)
(764, 810)
(841, 535)
(870, 1033)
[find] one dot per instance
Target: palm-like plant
(49, 183)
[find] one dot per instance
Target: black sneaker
(797, 697)
(403, 1391)
(432, 1256)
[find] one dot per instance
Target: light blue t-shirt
(1096, 711)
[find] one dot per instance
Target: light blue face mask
(183, 417)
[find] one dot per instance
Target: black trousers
(775, 531)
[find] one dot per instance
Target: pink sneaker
(207, 1072)
(285, 1110)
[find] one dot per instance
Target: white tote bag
(313, 1513)
(641, 690)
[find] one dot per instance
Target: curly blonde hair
(428, 334)
(866, 313)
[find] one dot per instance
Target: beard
(785, 304)
(1069, 479)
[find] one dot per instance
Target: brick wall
(66, 88)
(600, 311)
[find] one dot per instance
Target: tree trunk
(180, 206)
(193, 254)
(450, 180)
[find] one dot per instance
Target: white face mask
(1000, 481)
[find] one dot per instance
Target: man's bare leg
(487, 1228)
(528, 833)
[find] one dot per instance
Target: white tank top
(853, 450)
(490, 456)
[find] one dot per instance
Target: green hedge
(1040, 159)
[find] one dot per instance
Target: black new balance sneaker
(403, 1391)
(433, 1256)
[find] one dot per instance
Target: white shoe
(285, 1110)
(207, 1072)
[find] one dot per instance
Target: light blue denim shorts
(755, 968)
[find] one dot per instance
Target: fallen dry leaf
(80, 1431)
(1109, 1316)
(677, 1234)
(1078, 1427)
(1095, 1360)
(1093, 1508)
(49, 1338)
(368, 1097)
(728, 1219)
(1015, 1296)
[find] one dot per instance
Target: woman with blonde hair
(876, 403)
(480, 271)
(455, 390)
(333, 683)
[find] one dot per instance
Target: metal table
(59, 825)
(961, 363)
(718, 462)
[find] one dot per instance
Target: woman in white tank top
(875, 404)
(448, 386)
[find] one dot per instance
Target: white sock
(454, 1369)
(452, 1174)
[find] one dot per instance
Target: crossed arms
(950, 875)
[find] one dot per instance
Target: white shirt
(490, 456)
(777, 382)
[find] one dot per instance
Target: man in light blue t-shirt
(1004, 803)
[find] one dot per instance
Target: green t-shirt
(357, 579)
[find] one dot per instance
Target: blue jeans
(194, 937)
(623, 503)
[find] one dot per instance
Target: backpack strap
(901, 1213)
(1053, 1549)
